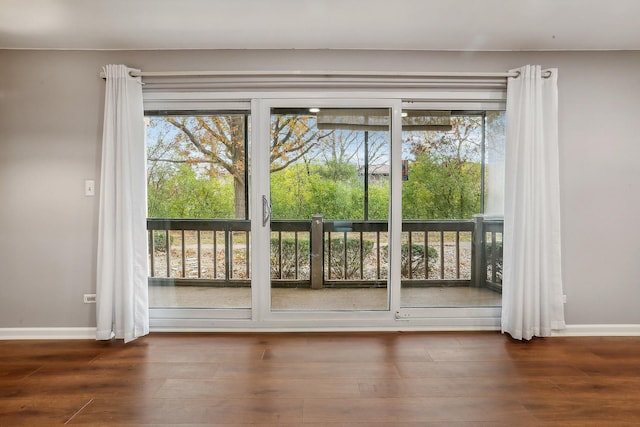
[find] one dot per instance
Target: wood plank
(188, 411)
(322, 379)
(265, 387)
(397, 411)
(498, 388)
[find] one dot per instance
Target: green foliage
(415, 263)
(489, 254)
(290, 194)
(185, 195)
(283, 253)
(160, 241)
(337, 264)
(447, 189)
(334, 170)
(302, 190)
(444, 172)
(434, 191)
(379, 200)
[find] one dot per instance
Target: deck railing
(199, 252)
(323, 253)
(493, 230)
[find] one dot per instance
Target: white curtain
(122, 306)
(532, 302)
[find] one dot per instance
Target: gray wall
(51, 106)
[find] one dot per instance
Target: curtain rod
(366, 74)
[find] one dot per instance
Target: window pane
(196, 166)
(444, 169)
(494, 168)
(443, 187)
(199, 232)
(330, 200)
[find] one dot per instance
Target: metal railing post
(228, 253)
(478, 273)
(317, 240)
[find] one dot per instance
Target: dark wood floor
(322, 379)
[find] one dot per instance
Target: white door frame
(260, 267)
(260, 317)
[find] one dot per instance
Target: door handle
(266, 210)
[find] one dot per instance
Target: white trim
(405, 313)
(292, 74)
(290, 77)
(166, 99)
(259, 190)
(335, 325)
(200, 313)
(48, 333)
(451, 94)
(311, 322)
(395, 211)
(192, 102)
(434, 328)
(261, 234)
(613, 330)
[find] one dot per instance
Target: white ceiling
(321, 24)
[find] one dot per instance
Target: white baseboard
(631, 330)
(90, 333)
(47, 333)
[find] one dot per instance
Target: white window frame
(260, 317)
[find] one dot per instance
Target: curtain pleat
(532, 303)
(122, 306)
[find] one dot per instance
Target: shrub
(416, 264)
(337, 264)
(160, 241)
(286, 247)
(498, 258)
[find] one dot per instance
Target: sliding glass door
(323, 212)
(325, 196)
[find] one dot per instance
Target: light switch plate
(89, 187)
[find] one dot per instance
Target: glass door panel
(443, 194)
(198, 216)
(330, 191)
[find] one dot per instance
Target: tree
(462, 143)
(441, 189)
(445, 171)
(339, 150)
(301, 190)
(329, 179)
(312, 171)
(183, 195)
(215, 145)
